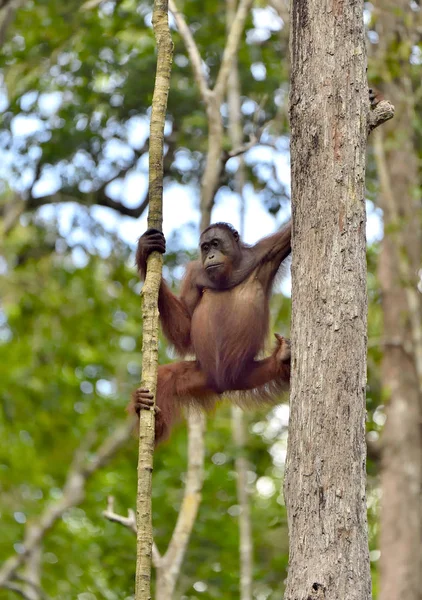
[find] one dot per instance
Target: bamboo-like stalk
(150, 300)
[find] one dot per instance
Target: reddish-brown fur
(221, 317)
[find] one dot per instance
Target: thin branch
(192, 49)
(213, 163)
(8, 9)
(11, 213)
(12, 210)
(73, 494)
(231, 47)
(156, 556)
(129, 522)
(254, 138)
(238, 424)
(98, 198)
(168, 566)
(14, 587)
(173, 557)
(229, 53)
(245, 529)
(212, 98)
(32, 572)
(33, 590)
(243, 148)
(125, 211)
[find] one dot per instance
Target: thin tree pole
(150, 299)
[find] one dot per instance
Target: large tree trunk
(325, 471)
(400, 199)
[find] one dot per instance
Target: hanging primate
(222, 317)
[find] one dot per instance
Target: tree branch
(98, 198)
(212, 98)
(243, 148)
(168, 566)
(172, 559)
(238, 424)
(14, 587)
(129, 521)
(8, 10)
(73, 494)
(32, 590)
(32, 571)
(231, 47)
(17, 205)
(192, 49)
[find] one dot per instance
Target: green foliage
(85, 74)
(69, 357)
(70, 320)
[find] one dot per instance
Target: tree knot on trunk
(317, 592)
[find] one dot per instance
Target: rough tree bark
(325, 470)
(400, 259)
(150, 300)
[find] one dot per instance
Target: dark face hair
(220, 251)
(225, 226)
